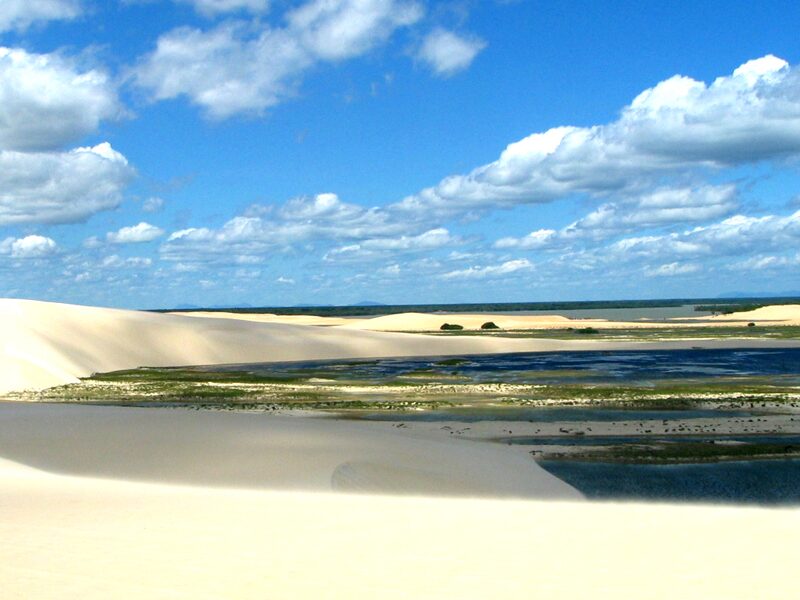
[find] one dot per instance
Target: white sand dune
(258, 450)
(426, 322)
(783, 313)
(89, 538)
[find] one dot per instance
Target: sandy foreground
(172, 504)
(103, 502)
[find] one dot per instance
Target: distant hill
(369, 303)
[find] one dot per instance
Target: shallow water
(610, 367)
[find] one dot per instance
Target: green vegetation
(451, 327)
(489, 325)
(678, 452)
(727, 309)
(590, 330)
(440, 385)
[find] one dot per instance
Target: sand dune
(266, 317)
(258, 450)
(784, 313)
(422, 322)
(89, 538)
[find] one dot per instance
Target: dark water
(610, 367)
(751, 482)
(548, 415)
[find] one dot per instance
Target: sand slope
(261, 450)
(70, 537)
(785, 313)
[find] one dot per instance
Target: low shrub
(489, 325)
(451, 327)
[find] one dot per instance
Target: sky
(159, 153)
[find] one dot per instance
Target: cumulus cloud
(658, 208)
(673, 269)
(115, 261)
(428, 240)
(732, 236)
(20, 14)
(678, 125)
(61, 187)
(447, 53)
(47, 101)
(491, 271)
(319, 218)
(213, 8)
(32, 246)
(533, 241)
(135, 234)
(759, 263)
(238, 68)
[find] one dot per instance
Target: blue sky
(220, 152)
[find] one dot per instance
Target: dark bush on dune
(451, 327)
(489, 325)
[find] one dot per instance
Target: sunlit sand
(101, 502)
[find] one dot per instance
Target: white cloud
(334, 30)
(758, 263)
(735, 235)
(61, 187)
(285, 280)
(143, 232)
(678, 125)
(673, 269)
(213, 8)
(239, 68)
(117, 262)
(534, 240)
(319, 218)
(20, 14)
(370, 248)
(492, 271)
(47, 101)
(32, 246)
(447, 53)
(153, 204)
(660, 207)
